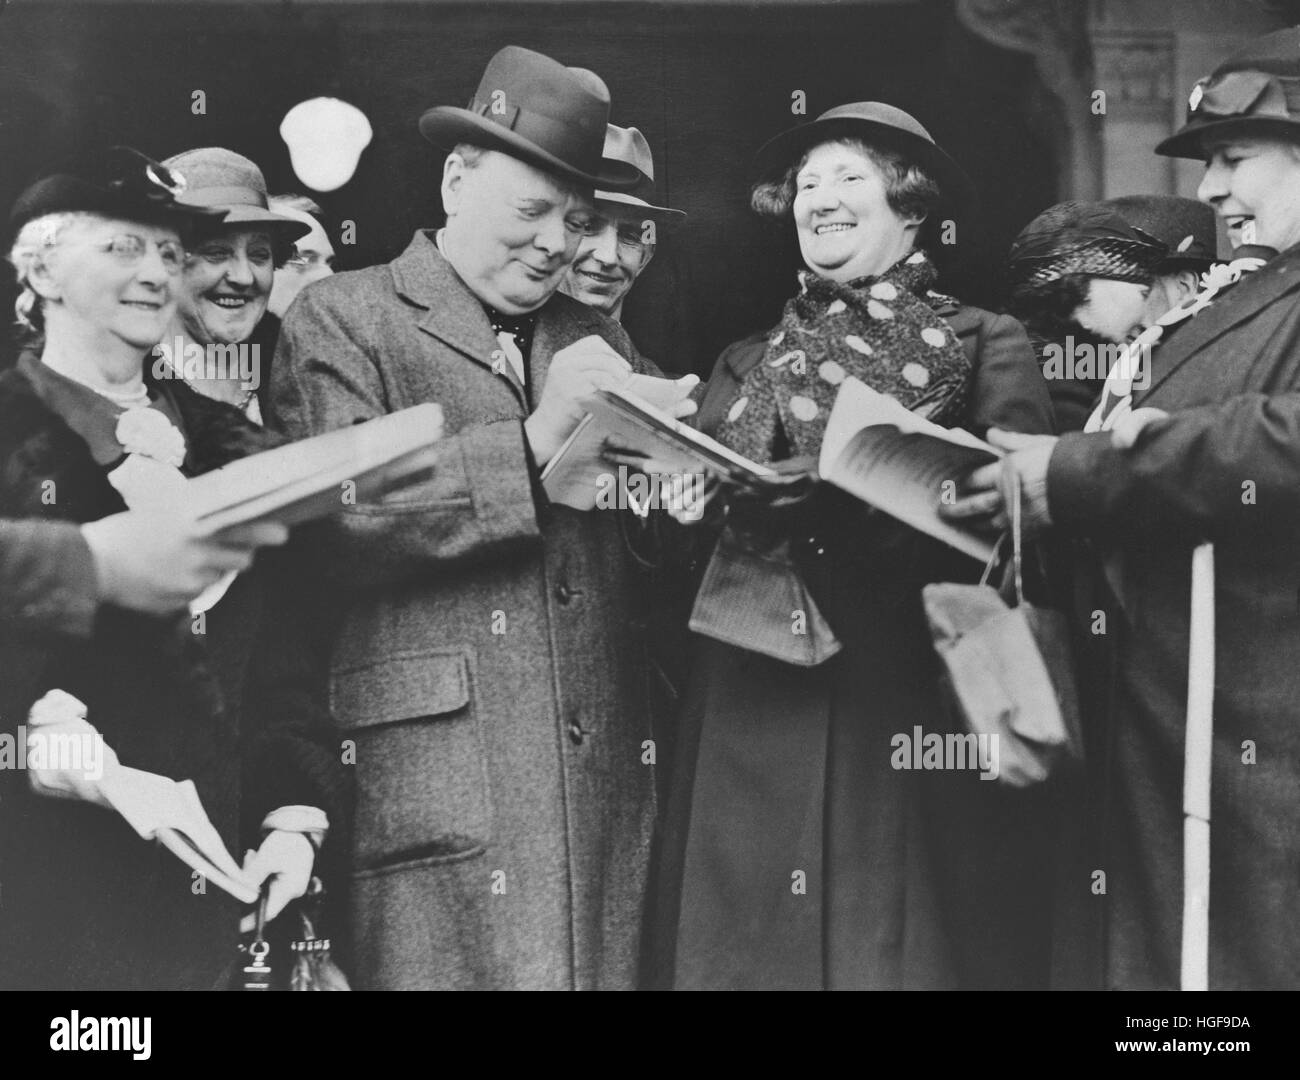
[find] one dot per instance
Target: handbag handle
(1017, 556)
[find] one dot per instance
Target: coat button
(565, 594)
(576, 734)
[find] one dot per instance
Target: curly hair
(34, 239)
(910, 191)
(1048, 307)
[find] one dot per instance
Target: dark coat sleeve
(292, 754)
(1009, 391)
(47, 579)
(1215, 470)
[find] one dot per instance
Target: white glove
(287, 859)
(69, 755)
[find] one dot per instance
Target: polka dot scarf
(877, 329)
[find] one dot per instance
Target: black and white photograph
(642, 495)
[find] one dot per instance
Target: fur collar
(47, 472)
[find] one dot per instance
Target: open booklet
(577, 472)
(874, 448)
(317, 476)
(898, 462)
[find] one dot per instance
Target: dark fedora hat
(539, 111)
(881, 125)
(1255, 92)
(628, 144)
(1187, 227)
(119, 182)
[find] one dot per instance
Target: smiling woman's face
(115, 277)
(847, 229)
(1254, 186)
(226, 286)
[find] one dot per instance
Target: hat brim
(65, 193)
(447, 125)
(283, 228)
(778, 153)
(1189, 140)
(663, 215)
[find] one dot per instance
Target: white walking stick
(1196, 774)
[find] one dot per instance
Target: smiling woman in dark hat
(1207, 450)
(88, 429)
(795, 855)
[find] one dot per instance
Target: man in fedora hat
(1218, 459)
(488, 670)
(622, 241)
(1186, 227)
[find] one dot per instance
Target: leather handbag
(753, 596)
(1009, 667)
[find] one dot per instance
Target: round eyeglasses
(128, 249)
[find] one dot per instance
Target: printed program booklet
(879, 452)
(305, 480)
(573, 476)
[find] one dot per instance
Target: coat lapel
(1242, 302)
(454, 315)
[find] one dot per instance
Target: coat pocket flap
(404, 686)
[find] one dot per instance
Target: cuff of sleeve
(311, 821)
(1085, 478)
(68, 598)
(502, 492)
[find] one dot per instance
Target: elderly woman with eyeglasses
(88, 429)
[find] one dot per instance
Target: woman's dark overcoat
(84, 902)
(783, 776)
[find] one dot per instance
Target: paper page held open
(574, 475)
(878, 451)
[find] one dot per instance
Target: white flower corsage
(147, 431)
(150, 478)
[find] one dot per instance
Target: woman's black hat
(120, 182)
(1082, 238)
(1256, 92)
(880, 125)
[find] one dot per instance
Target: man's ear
(453, 183)
(1188, 284)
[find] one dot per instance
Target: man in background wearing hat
(1218, 459)
(622, 241)
(1187, 229)
(488, 669)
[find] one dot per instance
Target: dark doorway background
(707, 83)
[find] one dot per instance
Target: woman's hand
(986, 492)
(287, 859)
